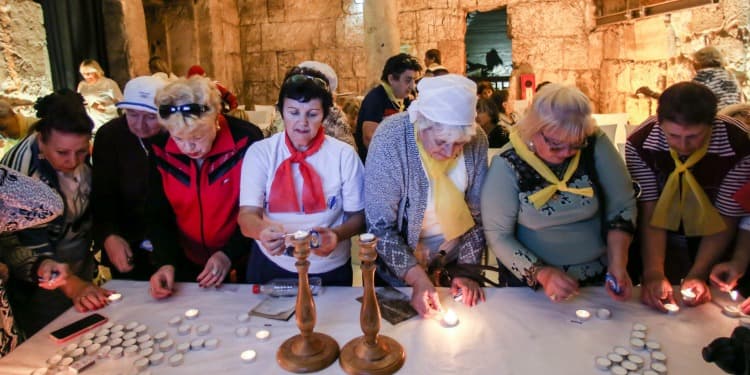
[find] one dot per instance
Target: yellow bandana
(541, 197)
(450, 206)
(691, 205)
(396, 101)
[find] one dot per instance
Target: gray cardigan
(396, 189)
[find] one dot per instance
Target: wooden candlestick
(309, 351)
(371, 353)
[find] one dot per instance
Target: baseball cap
(140, 92)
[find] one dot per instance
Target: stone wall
(24, 64)
(656, 52)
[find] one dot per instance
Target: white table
(517, 331)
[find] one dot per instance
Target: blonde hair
(558, 107)
(89, 63)
(447, 133)
(196, 89)
(708, 57)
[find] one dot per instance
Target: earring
(531, 146)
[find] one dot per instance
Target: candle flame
(450, 318)
(734, 294)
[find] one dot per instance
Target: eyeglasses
(556, 146)
(302, 78)
(192, 109)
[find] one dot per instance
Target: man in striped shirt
(686, 143)
(709, 70)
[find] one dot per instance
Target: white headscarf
(449, 100)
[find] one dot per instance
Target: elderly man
(689, 164)
(119, 189)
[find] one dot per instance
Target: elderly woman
(302, 179)
(193, 197)
(101, 93)
(424, 173)
(710, 71)
(558, 204)
(55, 153)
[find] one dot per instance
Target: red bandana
(283, 196)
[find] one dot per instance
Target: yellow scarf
(389, 91)
(691, 205)
(541, 197)
(450, 206)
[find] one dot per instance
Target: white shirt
(342, 175)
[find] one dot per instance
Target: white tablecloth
(517, 331)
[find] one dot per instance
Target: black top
(498, 137)
(375, 107)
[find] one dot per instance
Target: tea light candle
(129, 335)
(618, 370)
(653, 345)
(622, 351)
(263, 335)
(70, 347)
(203, 329)
(183, 347)
(638, 360)
(54, 360)
(175, 321)
(176, 360)
(603, 314)
(117, 328)
(115, 342)
(85, 343)
(184, 329)
(131, 351)
(88, 336)
(147, 344)
(732, 311)
(192, 313)
(688, 294)
(630, 366)
(241, 331)
(640, 327)
(602, 363)
(160, 336)
(659, 367)
(67, 361)
(211, 344)
(131, 326)
(100, 339)
(637, 343)
(103, 332)
(166, 345)
(108, 325)
(243, 317)
(196, 344)
(128, 342)
(115, 353)
(583, 315)
(103, 351)
(93, 348)
(156, 358)
(114, 297)
(78, 353)
(141, 364)
(248, 356)
(146, 352)
(366, 237)
(117, 335)
(450, 319)
(657, 356)
(140, 329)
(300, 234)
(672, 308)
(638, 334)
(143, 338)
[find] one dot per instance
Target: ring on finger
(215, 271)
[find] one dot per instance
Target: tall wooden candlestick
(371, 353)
(309, 351)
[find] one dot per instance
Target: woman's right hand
(656, 291)
(272, 238)
(52, 274)
(162, 282)
(424, 297)
(558, 286)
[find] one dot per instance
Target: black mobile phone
(78, 327)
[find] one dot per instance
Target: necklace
(143, 146)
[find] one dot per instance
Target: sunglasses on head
(192, 109)
(302, 78)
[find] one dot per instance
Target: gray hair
(558, 107)
(447, 133)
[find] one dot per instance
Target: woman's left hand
(85, 295)
(699, 287)
(329, 239)
(216, 269)
(471, 292)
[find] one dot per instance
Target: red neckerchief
(283, 196)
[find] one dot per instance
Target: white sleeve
(255, 174)
(353, 181)
(745, 223)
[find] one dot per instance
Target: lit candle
(583, 314)
(734, 294)
(248, 356)
(300, 234)
(671, 308)
(262, 335)
(688, 294)
(192, 313)
(114, 297)
(450, 319)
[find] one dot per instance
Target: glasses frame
(557, 146)
(301, 78)
(190, 109)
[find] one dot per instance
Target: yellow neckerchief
(541, 197)
(389, 91)
(690, 205)
(450, 205)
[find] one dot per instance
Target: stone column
(127, 40)
(218, 25)
(382, 38)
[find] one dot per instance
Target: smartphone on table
(77, 328)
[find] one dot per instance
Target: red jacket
(197, 210)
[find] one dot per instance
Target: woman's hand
(424, 297)
(329, 239)
(272, 238)
(216, 269)
(470, 291)
(119, 253)
(52, 274)
(656, 291)
(725, 275)
(162, 282)
(85, 295)
(699, 287)
(558, 286)
(623, 281)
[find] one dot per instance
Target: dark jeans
(261, 270)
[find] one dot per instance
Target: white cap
(448, 100)
(326, 70)
(139, 93)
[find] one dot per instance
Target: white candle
(583, 314)
(614, 357)
(196, 344)
(300, 234)
(603, 314)
(156, 358)
(241, 331)
(243, 317)
(366, 237)
(263, 335)
(192, 313)
(734, 294)
(602, 363)
(176, 360)
(450, 319)
(183, 347)
(672, 308)
(211, 344)
(203, 329)
(732, 311)
(114, 297)
(175, 321)
(248, 356)
(688, 294)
